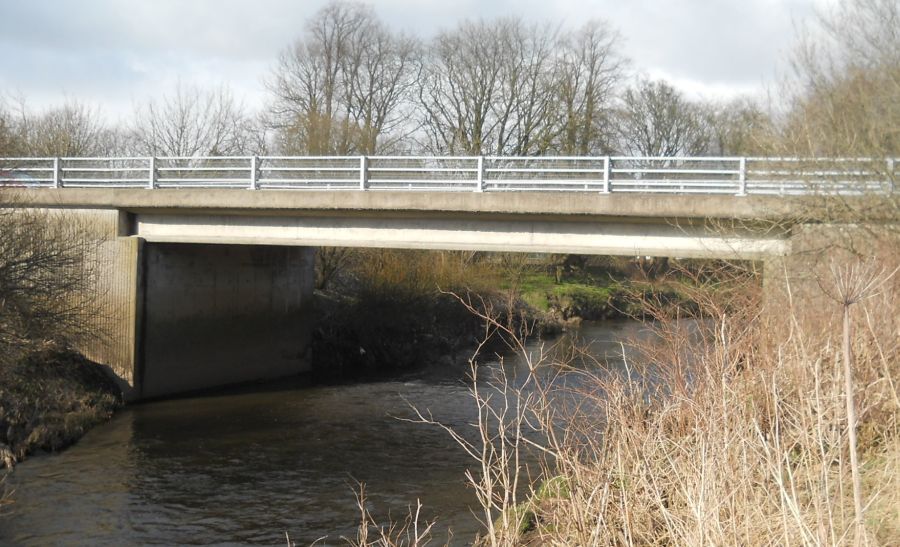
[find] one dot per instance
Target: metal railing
(603, 174)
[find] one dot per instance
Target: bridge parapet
(596, 174)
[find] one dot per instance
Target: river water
(247, 466)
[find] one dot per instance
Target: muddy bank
(48, 400)
(370, 335)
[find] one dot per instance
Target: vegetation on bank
(775, 424)
(48, 400)
(391, 310)
(735, 431)
(49, 395)
(745, 440)
(605, 288)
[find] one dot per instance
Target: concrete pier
(222, 314)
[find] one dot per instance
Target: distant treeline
(351, 85)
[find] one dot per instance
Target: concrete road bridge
(205, 270)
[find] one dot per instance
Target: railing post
(479, 187)
(891, 178)
(363, 172)
(254, 172)
(151, 180)
(606, 188)
(742, 177)
(57, 173)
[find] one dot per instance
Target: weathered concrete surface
(481, 233)
(223, 314)
(113, 302)
(278, 202)
(702, 226)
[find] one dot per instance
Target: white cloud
(115, 52)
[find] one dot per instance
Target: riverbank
(733, 432)
(374, 335)
(397, 310)
(48, 400)
(586, 296)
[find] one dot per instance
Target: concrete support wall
(117, 320)
(111, 300)
(223, 314)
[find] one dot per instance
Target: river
(245, 466)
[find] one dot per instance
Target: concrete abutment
(170, 318)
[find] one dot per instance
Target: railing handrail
(738, 175)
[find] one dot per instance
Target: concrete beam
(284, 202)
(469, 233)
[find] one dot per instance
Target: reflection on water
(245, 467)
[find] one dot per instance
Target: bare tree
(846, 90)
(526, 115)
(381, 73)
(656, 120)
(193, 122)
(330, 261)
(739, 127)
(307, 108)
(343, 87)
(844, 101)
(9, 142)
(589, 69)
(46, 270)
(461, 84)
(70, 130)
(489, 87)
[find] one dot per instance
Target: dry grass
(734, 432)
(408, 533)
(424, 272)
(735, 428)
(6, 498)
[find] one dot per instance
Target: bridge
(206, 264)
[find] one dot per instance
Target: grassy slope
(589, 296)
(48, 400)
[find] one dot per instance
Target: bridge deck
(421, 203)
(618, 224)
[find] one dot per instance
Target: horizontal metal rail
(604, 174)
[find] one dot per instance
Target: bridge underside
(607, 236)
(176, 313)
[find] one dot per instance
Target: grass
(48, 399)
(746, 444)
(595, 296)
(733, 431)
(541, 291)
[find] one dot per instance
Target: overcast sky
(113, 53)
